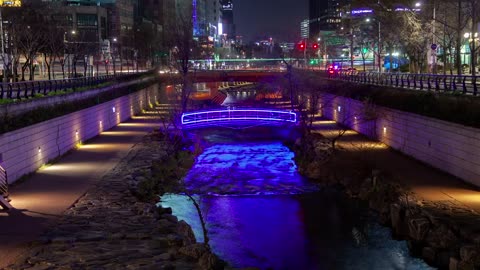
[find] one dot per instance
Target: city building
(304, 29)
(121, 23)
(325, 15)
(228, 27)
(213, 18)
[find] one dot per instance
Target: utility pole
(351, 45)
(305, 53)
(459, 38)
(434, 51)
(379, 44)
(473, 36)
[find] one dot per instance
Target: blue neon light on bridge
(238, 116)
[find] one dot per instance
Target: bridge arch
(240, 117)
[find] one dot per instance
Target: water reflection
(293, 232)
(289, 223)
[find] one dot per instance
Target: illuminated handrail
(255, 115)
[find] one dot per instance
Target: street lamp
(114, 55)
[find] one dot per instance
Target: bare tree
(54, 47)
(27, 36)
(182, 48)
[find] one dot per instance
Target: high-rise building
(213, 17)
(228, 27)
(325, 15)
(304, 29)
(121, 18)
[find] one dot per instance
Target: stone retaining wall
(25, 150)
(450, 147)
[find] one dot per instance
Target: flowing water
(261, 213)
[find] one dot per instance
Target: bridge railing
(3, 183)
(30, 89)
(464, 84)
(217, 116)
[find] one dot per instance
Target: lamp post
(114, 55)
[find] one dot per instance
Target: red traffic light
(301, 46)
(315, 46)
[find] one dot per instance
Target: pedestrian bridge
(238, 118)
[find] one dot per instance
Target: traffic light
(301, 46)
(315, 46)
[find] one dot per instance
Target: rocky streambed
(110, 228)
(445, 234)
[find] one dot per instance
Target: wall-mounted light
(355, 117)
(384, 129)
(76, 132)
(39, 149)
(339, 108)
(113, 109)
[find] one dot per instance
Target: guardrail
(445, 83)
(3, 183)
(28, 89)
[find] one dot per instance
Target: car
(333, 70)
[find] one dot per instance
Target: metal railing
(30, 89)
(3, 183)
(252, 115)
(445, 83)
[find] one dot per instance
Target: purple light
(239, 114)
(361, 11)
(194, 16)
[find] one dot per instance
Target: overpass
(229, 76)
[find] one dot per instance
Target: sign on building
(10, 3)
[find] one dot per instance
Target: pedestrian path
(44, 196)
(426, 182)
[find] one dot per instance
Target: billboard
(10, 3)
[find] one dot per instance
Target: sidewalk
(49, 192)
(426, 182)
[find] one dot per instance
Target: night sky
(259, 19)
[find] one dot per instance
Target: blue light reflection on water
(246, 168)
(310, 229)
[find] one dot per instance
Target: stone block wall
(450, 147)
(25, 150)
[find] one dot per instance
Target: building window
(87, 20)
